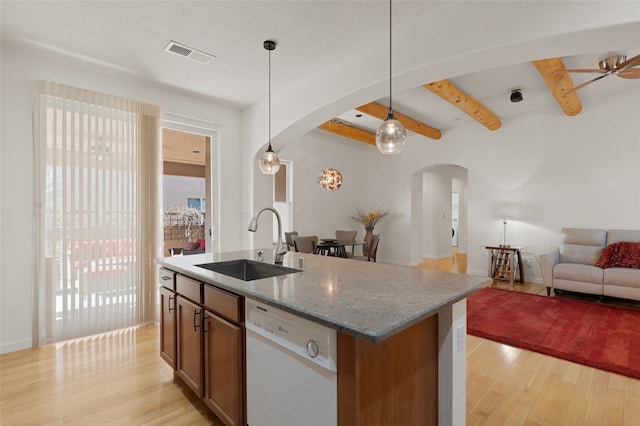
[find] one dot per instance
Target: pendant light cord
(270, 100)
(390, 61)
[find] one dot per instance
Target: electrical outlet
(461, 335)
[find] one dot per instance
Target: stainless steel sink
(247, 270)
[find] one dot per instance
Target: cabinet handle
(165, 278)
(169, 303)
(195, 323)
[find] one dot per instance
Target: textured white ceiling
(314, 36)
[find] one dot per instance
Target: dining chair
(305, 244)
(373, 249)
(347, 236)
(288, 238)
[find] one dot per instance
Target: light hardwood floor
(511, 386)
(119, 378)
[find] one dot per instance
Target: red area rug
(587, 333)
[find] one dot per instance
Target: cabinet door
(168, 326)
(189, 347)
(224, 377)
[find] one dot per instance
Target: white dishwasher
(292, 374)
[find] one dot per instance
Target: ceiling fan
(613, 63)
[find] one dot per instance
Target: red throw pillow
(620, 255)
(192, 246)
(200, 242)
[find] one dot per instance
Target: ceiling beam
(456, 97)
(380, 111)
(345, 130)
(559, 83)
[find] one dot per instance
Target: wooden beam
(559, 83)
(377, 110)
(348, 131)
(456, 97)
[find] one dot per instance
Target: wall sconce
(330, 179)
(504, 212)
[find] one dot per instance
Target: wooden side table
(505, 264)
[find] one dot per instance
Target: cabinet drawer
(223, 303)
(189, 288)
(167, 278)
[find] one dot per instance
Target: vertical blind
(96, 212)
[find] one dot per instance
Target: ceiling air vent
(187, 52)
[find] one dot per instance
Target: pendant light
(391, 135)
(269, 161)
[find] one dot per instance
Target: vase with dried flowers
(369, 219)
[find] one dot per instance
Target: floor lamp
(504, 212)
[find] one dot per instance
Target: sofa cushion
(581, 245)
(578, 272)
(624, 277)
(576, 253)
(619, 235)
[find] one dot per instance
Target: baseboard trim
(483, 272)
(16, 346)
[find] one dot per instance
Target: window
(197, 203)
(96, 157)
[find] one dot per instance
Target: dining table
(334, 247)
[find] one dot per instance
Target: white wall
(19, 70)
(317, 212)
(581, 171)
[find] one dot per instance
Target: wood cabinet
(190, 344)
(168, 326)
(393, 382)
(167, 282)
(224, 369)
(202, 338)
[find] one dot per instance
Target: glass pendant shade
(269, 162)
(391, 135)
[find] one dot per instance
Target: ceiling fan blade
(629, 63)
(594, 71)
(586, 83)
(629, 73)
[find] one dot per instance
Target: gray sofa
(572, 267)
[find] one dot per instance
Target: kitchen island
(401, 330)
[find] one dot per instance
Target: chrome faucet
(253, 226)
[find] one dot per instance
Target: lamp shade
(506, 211)
(269, 162)
(391, 135)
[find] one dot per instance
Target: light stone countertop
(368, 300)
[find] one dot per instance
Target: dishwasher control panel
(308, 339)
